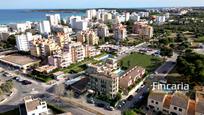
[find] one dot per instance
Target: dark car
(26, 82)
(130, 98)
(100, 105)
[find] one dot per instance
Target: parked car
(100, 104)
(130, 98)
(110, 108)
(90, 101)
(140, 97)
(26, 82)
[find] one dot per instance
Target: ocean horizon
(8, 16)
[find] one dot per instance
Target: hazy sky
(29, 4)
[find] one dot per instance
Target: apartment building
(77, 51)
(44, 27)
(60, 59)
(3, 29)
(143, 14)
(102, 81)
(22, 41)
(43, 47)
(127, 16)
(35, 106)
(176, 103)
(134, 17)
(91, 13)
(88, 37)
(120, 32)
(103, 31)
(106, 17)
(77, 23)
(61, 39)
(20, 27)
(130, 77)
(53, 19)
(143, 30)
(160, 19)
(91, 51)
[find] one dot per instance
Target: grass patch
(41, 76)
(80, 66)
(137, 59)
(12, 112)
(56, 110)
(200, 39)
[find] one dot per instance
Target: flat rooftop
(17, 59)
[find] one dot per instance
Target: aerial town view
(108, 57)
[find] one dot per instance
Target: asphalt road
(32, 90)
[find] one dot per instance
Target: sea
(18, 16)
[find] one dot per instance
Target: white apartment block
(91, 13)
(81, 25)
(54, 19)
(127, 16)
(73, 19)
(22, 41)
(160, 19)
(106, 17)
(44, 27)
(102, 30)
(135, 17)
(35, 106)
(3, 29)
(143, 14)
(20, 27)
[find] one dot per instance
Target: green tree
(129, 112)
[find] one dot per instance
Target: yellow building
(43, 47)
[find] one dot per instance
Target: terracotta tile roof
(180, 100)
(136, 71)
(199, 107)
(157, 96)
(32, 105)
(191, 107)
(167, 101)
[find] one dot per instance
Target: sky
(56, 4)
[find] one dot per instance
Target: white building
(106, 17)
(102, 31)
(60, 60)
(81, 25)
(22, 41)
(160, 19)
(135, 17)
(3, 29)
(20, 27)
(73, 19)
(35, 106)
(143, 14)
(127, 16)
(54, 19)
(91, 13)
(44, 27)
(120, 32)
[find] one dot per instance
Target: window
(156, 102)
(175, 108)
(180, 109)
(152, 101)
